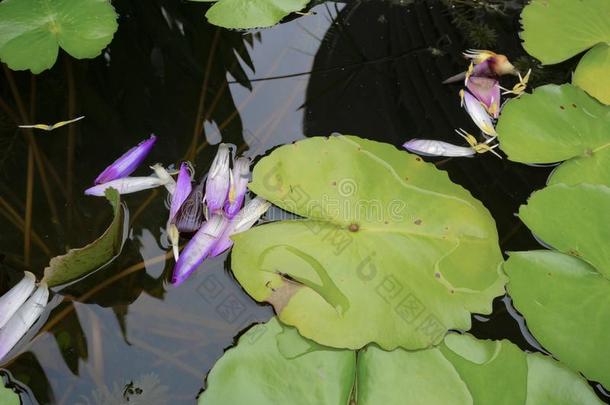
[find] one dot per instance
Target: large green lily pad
(79, 262)
(566, 303)
(252, 13)
(389, 250)
(592, 73)
(552, 124)
(556, 30)
(574, 220)
(32, 31)
(463, 370)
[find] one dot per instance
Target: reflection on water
(124, 333)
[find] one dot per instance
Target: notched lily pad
(389, 250)
(566, 303)
(592, 75)
(459, 371)
(252, 13)
(33, 30)
(552, 124)
(82, 261)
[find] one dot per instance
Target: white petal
(23, 319)
(127, 185)
(15, 297)
(429, 147)
(479, 114)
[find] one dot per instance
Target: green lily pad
(252, 13)
(79, 262)
(552, 124)
(556, 30)
(7, 396)
(566, 303)
(574, 220)
(389, 250)
(591, 74)
(463, 370)
(33, 30)
(593, 169)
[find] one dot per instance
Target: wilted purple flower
(126, 185)
(484, 64)
(243, 221)
(199, 247)
(219, 180)
(487, 91)
(240, 176)
(15, 297)
(430, 147)
(23, 319)
(190, 215)
(478, 113)
(182, 191)
(128, 162)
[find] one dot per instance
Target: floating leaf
(556, 30)
(594, 169)
(79, 262)
(574, 220)
(33, 30)
(552, 124)
(389, 250)
(252, 13)
(591, 74)
(460, 371)
(7, 396)
(566, 303)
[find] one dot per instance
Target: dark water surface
(368, 68)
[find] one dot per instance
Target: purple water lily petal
(189, 217)
(487, 91)
(199, 247)
(19, 324)
(182, 191)
(240, 223)
(15, 297)
(219, 180)
(126, 185)
(239, 185)
(128, 162)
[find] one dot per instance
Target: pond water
(367, 68)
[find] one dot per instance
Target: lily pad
(389, 250)
(574, 220)
(33, 30)
(566, 303)
(7, 396)
(591, 74)
(252, 13)
(552, 124)
(463, 370)
(79, 262)
(556, 30)
(593, 169)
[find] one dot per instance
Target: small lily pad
(552, 124)
(592, 75)
(592, 169)
(389, 250)
(574, 220)
(463, 370)
(79, 262)
(8, 396)
(33, 30)
(252, 13)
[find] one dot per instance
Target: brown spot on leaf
(573, 105)
(418, 159)
(353, 227)
(437, 275)
(281, 296)
(417, 222)
(562, 107)
(334, 183)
